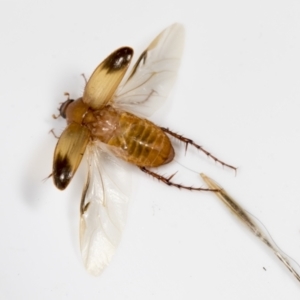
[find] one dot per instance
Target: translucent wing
(103, 208)
(106, 78)
(152, 77)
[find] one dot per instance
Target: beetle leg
(84, 78)
(191, 142)
(167, 181)
(52, 131)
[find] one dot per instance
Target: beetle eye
(63, 108)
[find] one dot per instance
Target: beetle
(109, 124)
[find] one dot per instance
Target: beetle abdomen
(131, 138)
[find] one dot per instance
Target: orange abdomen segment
(140, 142)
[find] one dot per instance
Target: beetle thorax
(103, 123)
(76, 111)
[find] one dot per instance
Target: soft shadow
(36, 171)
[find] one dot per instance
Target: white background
(237, 94)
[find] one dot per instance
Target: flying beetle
(108, 123)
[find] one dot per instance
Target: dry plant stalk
(248, 220)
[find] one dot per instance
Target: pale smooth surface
(237, 94)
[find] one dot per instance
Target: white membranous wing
(148, 84)
(104, 208)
